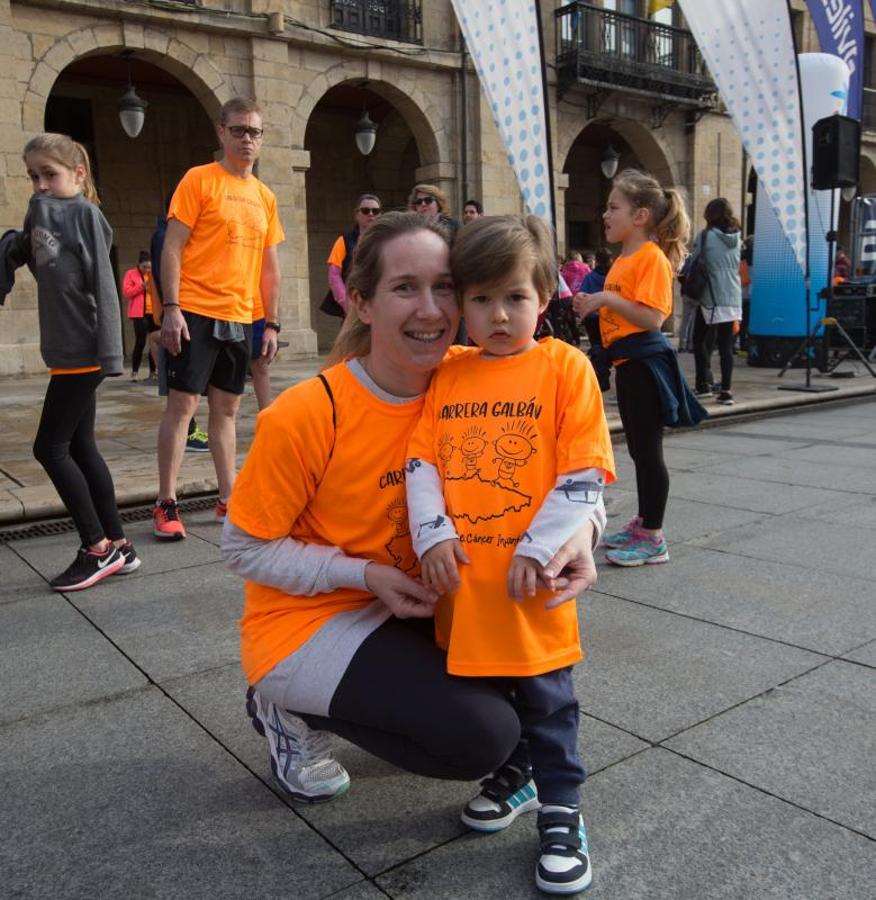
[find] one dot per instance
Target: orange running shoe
(166, 523)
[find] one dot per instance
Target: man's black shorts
(204, 360)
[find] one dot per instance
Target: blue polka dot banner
(749, 49)
(503, 39)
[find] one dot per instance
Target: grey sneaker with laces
(301, 757)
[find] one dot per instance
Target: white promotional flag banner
(502, 37)
(749, 49)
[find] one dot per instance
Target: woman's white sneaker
(301, 758)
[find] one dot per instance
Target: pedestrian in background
(471, 210)
(365, 213)
(431, 202)
(135, 288)
(574, 271)
(719, 246)
(81, 343)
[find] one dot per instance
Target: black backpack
(559, 322)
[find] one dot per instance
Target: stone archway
(195, 70)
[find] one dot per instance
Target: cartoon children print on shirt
(399, 545)
(514, 447)
(474, 442)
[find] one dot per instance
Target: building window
(396, 20)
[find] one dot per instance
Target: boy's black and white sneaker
(89, 567)
(132, 561)
(301, 757)
(564, 866)
(506, 794)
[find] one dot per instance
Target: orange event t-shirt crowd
(232, 221)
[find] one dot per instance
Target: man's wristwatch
(274, 325)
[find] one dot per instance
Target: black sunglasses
(238, 131)
(369, 210)
(424, 201)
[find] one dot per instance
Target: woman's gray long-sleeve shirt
(79, 314)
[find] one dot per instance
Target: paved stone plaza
(729, 703)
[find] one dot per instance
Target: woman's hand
(439, 565)
(406, 597)
(584, 304)
(573, 569)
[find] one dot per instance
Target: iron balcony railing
(868, 110)
(618, 51)
(397, 20)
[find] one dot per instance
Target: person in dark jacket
(81, 343)
(340, 259)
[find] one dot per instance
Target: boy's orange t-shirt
(644, 276)
(500, 432)
(354, 500)
(232, 221)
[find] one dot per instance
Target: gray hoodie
(721, 252)
(80, 322)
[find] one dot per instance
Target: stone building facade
(68, 61)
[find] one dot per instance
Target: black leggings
(141, 341)
(705, 336)
(397, 702)
(66, 449)
(639, 405)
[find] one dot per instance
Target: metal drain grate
(64, 526)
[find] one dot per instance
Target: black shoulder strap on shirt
(331, 397)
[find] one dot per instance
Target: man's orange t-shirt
(337, 486)
(232, 221)
(258, 307)
(645, 277)
(500, 432)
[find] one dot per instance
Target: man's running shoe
(221, 511)
(628, 533)
(505, 795)
(564, 866)
(166, 523)
(725, 398)
(89, 567)
(132, 561)
(196, 442)
(301, 758)
(644, 551)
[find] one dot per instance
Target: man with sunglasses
(219, 256)
(365, 213)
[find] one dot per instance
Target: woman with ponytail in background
(652, 226)
(81, 343)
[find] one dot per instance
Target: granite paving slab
(784, 471)
(811, 741)
(130, 798)
(50, 656)
(847, 510)
(808, 543)
(174, 623)
(50, 555)
(835, 455)
(364, 890)
(654, 673)
(742, 493)
(865, 655)
(820, 611)
(18, 579)
(662, 828)
(727, 441)
(684, 459)
(811, 425)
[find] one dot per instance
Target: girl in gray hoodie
(81, 343)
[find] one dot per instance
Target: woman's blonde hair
(67, 153)
(432, 191)
(354, 338)
(670, 223)
(492, 247)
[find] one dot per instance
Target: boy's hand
(523, 576)
(438, 567)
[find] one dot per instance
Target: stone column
(282, 168)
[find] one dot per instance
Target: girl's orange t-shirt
(500, 432)
(337, 486)
(645, 277)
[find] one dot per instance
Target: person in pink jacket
(135, 286)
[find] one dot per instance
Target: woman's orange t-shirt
(337, 486)
(500, 432)
(645, 277)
